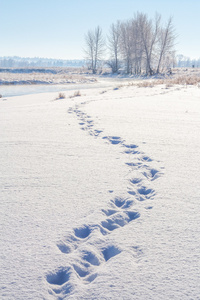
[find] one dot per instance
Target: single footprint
(151, 174)
(119, 220)
(135, 180)
(110, 252)
(145, 193)
(60, 282)
(122, 203)
(61, 276)
(72, 242)
(146, 158)
(115, 140)
(131, 146)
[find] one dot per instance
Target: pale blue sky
(56, 28)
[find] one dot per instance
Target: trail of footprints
(85, 258)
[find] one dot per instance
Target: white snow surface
(100, 194)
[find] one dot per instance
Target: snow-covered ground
(100, 194)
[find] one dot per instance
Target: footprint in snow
(118, 216)
(79, 236)
(141, 192)
(118, 220)
(60, 281)
(86, 266)
(122, 203)
(136, 165)
(131, 146)
(151, 174)
(135, 180)
(145, 193)
(114, 221)
(84, 269)
(146, 158)
(114, 140)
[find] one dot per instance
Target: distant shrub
(180, 80)
(168, 85)
(145, 84)
(61, 96)
(187, 80)
(170, 82)
(0, 96)
(76, 94)
(102, 92)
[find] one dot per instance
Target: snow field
(101, 199)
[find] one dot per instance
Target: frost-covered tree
(166, 38)
(137, 46)
(94, 48)
(149, 33)
(126, 45)
(114, 47)
(140, 45)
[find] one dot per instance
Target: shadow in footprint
(82, 232)
(134, 164)
(113, 139)
(91, 258)
(119, 202)
(91, 278)
(73, 241)
(110, 252)
(64, 248)
(109, 224)
(109, 212)
(80, 271)
(119, 220)
(60, 277)
(132, 193)
(146, 158)
(131, 152)
(122, 203)
(135, 180)
(131, 146)
(152, 174)
(98, 131)
(148, 193)
(132, 215)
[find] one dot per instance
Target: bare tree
(89, 49)
(140, 44)
(114, 47)
(149, 33)
(94, 48)
(126, 45)
(165, 42)
(137, 45)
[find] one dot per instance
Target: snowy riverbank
(37, 76)
(100, 196)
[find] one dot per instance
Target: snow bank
(7, 78)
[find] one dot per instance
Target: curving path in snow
(80, 244)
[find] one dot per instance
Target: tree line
(140, 45)
(28, 62)
(187, 62)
